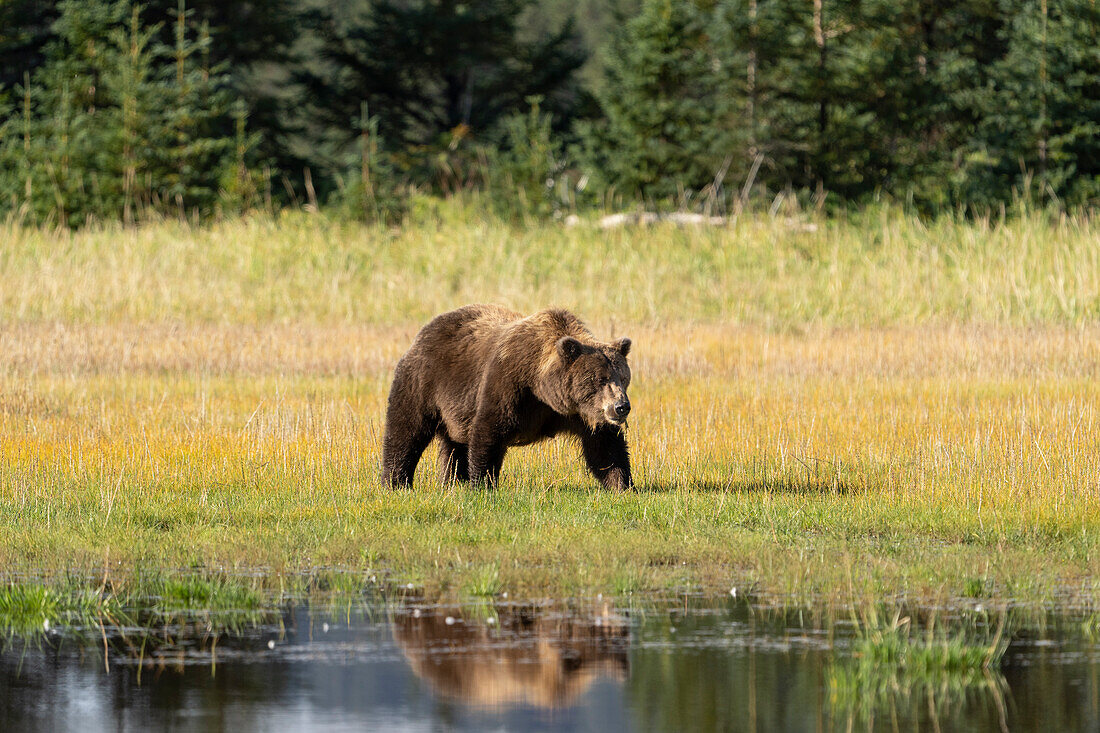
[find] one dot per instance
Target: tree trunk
(751, 79)
(819, 39)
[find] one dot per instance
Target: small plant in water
(484, 582)
(890, 660)
(976, 588)
(207, 594)
(628, 579)
(28, 610)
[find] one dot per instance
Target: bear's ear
(569, 348)
(622, 346)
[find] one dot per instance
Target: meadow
(849, 410)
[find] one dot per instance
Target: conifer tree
(197, 149)
(115, 123)
(525, 172)
(762, 48)
(1040, 125)
(436, 73)
(662, 134)
(64, 163)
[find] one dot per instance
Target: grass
(939, 664)
(877, 268)
(877, 407)
(484, 582)
(30, 610)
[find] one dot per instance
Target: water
(409, 666)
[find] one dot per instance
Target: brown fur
(526, 657)
(483, 378)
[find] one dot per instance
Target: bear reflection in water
(523, 656)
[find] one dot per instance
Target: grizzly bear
(483, 378)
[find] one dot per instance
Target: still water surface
(726, 666)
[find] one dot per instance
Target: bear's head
(595, 377)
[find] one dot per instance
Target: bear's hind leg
(486, 462)
(454, 462)
(401, 451)
(408, 431)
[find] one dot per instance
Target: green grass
(30, 609)
(891, 663)
(859, 409)
(484, 582)
(876, 268)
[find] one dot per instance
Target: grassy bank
(872, 409)
(878, 268)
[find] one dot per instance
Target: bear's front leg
(494, 423)
(486, 459)
(487, 445)
(607, 457)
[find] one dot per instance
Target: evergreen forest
(113, 110)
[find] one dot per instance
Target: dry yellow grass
(837, 461)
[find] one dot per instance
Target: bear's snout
(617, 410)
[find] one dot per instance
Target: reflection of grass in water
(628, 579)
(29, 610)
(482, 611)
(1090, 628)
(895, 666)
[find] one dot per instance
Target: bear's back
(463, 329)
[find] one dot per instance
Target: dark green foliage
(1038, 134)
(663, 132)
(942, 104)
(248, 42)
(369, 191)
(24, 31)
(198, 158)
(762, 49)
(115, 124)
(72, 152)
(526, 173)
(710, 104)
(438, 74)
(251, 42)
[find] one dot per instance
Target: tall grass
(880, 268)
(880, 406)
